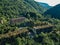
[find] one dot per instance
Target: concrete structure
(17, 20)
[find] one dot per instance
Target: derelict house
(17, 20)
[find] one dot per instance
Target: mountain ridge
(45, 5)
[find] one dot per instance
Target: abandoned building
(17, 20)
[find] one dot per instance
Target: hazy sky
(50, 2)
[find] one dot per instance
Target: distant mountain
(54, 11)
(45, 5)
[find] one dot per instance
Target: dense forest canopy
(22, 23)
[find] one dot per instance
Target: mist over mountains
(45, 5)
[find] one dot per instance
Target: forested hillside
(54, 12)
(22, 23)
